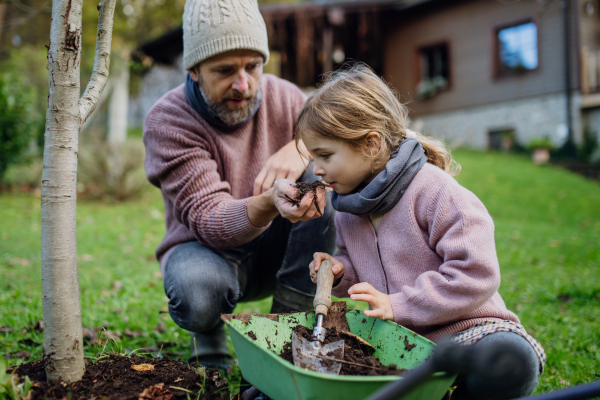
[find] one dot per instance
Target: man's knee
(199, 290)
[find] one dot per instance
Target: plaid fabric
(482, 329)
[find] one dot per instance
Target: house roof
(166, 48)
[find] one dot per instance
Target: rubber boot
(209, 348)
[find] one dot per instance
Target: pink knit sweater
(433, 253)
(206, 176)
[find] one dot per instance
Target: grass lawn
(547, 236)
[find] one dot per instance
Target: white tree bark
(119, 100)
(89, 100)
(63, 343)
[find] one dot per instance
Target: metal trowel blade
(317, 357)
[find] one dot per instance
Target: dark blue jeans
(203, 283)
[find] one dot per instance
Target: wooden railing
(590, 70)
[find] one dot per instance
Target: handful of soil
(358, 358)
(304, 188)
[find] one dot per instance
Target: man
(220, 148)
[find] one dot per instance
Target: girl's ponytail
(437, 153)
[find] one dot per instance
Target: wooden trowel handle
(322, 300)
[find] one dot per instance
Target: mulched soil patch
(123, 378)
(302, 189)
(359, 356)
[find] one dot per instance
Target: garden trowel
(315, 355)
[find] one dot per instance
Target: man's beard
(230, 114)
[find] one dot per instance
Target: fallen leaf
(143, 367)
(564, 382)
(113, 335)
(155, 392)
(177, 380)
(20, 261)
(160, 327)
(39, 325)
(104, 293)
(6, 329)
(157, 274)
(132, 334)
(21, 354)
(164, 309)
(86, 257)
(117, 310)
(90, 336)
(150, 349)
(117, 285)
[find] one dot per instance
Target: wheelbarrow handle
(581, 392)
(496, 363)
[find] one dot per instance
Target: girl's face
(340, 165)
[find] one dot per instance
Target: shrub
(23, 101)
(111, 172)
(541, 143)
(588, 150)
(17, 128)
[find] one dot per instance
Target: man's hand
(337, 269)
(285, 189)
(380, 303)
(285, 164)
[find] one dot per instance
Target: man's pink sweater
(433, 253)
(206, 176)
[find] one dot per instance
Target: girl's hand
(380, 302)
(284, 190)
(337, 269)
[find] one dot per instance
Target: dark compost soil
(123, 378)
(358, 357)
(302, 189)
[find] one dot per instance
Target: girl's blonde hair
(354, 102)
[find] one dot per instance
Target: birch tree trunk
(63, 342)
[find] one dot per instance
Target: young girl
(412, 242)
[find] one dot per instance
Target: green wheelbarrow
(258, 339)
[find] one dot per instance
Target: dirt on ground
(358, 358)
(118, 377)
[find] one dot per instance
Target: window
(517, 49)
(501, 139)
(434, 70)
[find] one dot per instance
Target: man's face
(229, 83)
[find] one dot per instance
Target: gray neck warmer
(386, 189)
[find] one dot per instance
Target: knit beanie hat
(211, 27)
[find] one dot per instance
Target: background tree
(63, 342)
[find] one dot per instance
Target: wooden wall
(469, 27)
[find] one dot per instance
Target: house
(480, 73)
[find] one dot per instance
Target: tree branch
(89, 100)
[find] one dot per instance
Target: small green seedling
(10, 388)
